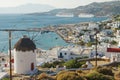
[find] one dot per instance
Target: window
(118, 55)
(60, 54)
(32, 66)
(65, 53)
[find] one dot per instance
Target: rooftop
(113, 50)
(25, 44)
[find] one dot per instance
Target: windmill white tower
(24, 56)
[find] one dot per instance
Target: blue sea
(44, 41)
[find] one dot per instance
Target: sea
(45, 41)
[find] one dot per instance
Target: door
(61, 56)
(32, 66)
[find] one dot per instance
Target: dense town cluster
(85, 33)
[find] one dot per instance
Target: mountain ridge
(98, 9)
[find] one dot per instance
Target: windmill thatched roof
(25, 44)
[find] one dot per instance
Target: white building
(118, 34)
(113, 54)
(86, 38)
(99, 54)
(47, 55)
(92, 26)
(116, 24)
(24, 56)
(73, 52)
(68, 53)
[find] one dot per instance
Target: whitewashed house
(106, 32)
(68, 53)
(92, 26)
(65, 54)
(105, 38)
(24, 56)
(113, 54)
(99, 54)
(109, 24)
(72, 52)
(86, 38)
(78, 29)
(118, 34)
(116, 24)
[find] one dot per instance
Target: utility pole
(10, 37)
(96, 52)
(96, 41)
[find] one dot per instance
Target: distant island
(26, 8)
(94, 9)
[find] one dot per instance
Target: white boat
(64, 15)
(85, 15)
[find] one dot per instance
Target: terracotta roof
(25, 44)
(113, 50)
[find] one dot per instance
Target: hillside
(97, 9)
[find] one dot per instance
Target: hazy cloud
(55, 3)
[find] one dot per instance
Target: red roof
(113, 49)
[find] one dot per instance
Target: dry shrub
(44, 76)
(79, 71)
(117, 76)
(105, 70)
(70, 75)
(98, 76)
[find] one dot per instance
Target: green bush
(105, 70)
(5, 79)
(98, 76)
(73, 64)
(113, 42)
(69, 76)
(53, 64)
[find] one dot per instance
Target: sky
(55, 3)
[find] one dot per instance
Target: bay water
(44, 41)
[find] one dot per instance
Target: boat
(64, 15)
(85, 15)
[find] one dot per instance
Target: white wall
(92, 26)
(116, 56)
(23, 60)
